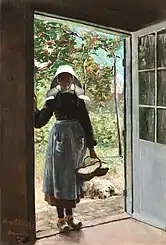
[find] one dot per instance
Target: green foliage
(57, 44)
(104, 125)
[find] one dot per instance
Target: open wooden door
(128, 174)
(17, 208)
(149, 124)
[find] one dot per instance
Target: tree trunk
(117, 111)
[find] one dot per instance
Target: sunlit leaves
(57, 44)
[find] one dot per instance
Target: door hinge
(123, 133)
(123, 62)
(125, 193)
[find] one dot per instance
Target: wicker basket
(101, 172)
(91, 169)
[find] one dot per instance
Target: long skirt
(65, 152)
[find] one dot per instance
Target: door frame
(127, 63)
(27, 96)
(128, 143)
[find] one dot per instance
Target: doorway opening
(97, 56)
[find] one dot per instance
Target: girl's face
(65, 80)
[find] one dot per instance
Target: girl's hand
(92, 153)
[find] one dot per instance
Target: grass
(115, 164)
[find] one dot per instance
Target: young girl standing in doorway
(69, 139)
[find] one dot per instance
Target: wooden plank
(116, 14)
(16, 135)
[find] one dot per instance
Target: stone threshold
(86, 224)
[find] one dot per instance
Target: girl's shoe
(63, 225)
(73, 224)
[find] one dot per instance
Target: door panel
(149, 120)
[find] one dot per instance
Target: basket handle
(92, 158)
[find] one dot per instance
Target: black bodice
(66, 106)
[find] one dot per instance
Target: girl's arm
(42, 116)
